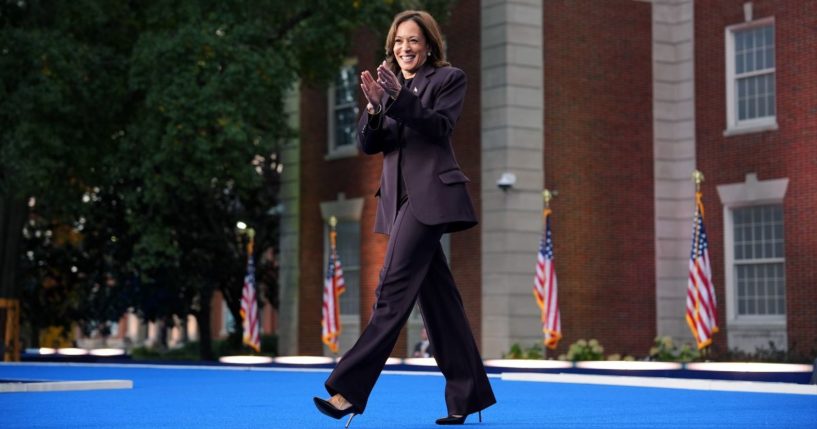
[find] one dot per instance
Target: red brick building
(612, 105)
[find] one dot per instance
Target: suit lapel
(421, 79)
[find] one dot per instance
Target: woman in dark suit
(412, 108)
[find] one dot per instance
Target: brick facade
(598, 156)
(788, 152)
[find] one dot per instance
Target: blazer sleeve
(437, 121)
(372, 136)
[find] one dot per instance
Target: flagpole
(547, 195)
(698, 178)
(333, 237)
(248, 292)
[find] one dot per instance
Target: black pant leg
(467, 389)
(409, 253)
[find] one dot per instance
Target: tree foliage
(141, 132)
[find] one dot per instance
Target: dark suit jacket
(421, 121)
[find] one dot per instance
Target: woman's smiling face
(410, 47)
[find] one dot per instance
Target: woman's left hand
(388, 80)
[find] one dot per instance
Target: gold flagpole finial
(547, 196)
(333, 222)
(698, 178)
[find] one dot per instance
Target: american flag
(702, 305)
(545, 288)
(249, 306)
(333, 286)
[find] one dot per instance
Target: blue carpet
(204, 398)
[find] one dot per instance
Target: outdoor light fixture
(420, 361)
(506, 181)
(528, 363)
(72, 351)
(246, 360)
(304, 360)
(108, 352)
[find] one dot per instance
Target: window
(750, 67)
(759, 261)
(348, 248)
(343, 112)
(754, 264)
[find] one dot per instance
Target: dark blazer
(420, 122)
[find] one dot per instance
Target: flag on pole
(702, 305)
(545, 288)
(333, 286)
(249, 304)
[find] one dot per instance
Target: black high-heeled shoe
(456, 420)
(330, 410)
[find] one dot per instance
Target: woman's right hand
(372, 91)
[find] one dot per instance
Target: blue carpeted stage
(230, 397)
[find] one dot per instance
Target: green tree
(148, 129)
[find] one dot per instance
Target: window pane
(769, 45)
(770, 98)
(770, 57)
(346, 110)
(348, 248)
(345, 126)
(740, 62)
(755, 96)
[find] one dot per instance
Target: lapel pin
(415, 90)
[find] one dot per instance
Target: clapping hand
(388, 81)
(373, 92)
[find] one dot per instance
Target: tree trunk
(203, 320)
(12, 218)
(13, 213)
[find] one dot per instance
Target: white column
(674, 158)
(512, 141)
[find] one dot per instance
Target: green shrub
(665, 350)
(534, 352)
(584, 350)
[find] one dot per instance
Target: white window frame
(345, 210)
(733, 125)
(748, 332)
(333, 151)
(734, 305)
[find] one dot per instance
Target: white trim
(754, 126)
(333, 152)
(344, 209)
(733, 125)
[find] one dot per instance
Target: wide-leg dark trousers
(415, 266)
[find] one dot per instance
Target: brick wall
(598, 156)
(789, 152)
(463, 39)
